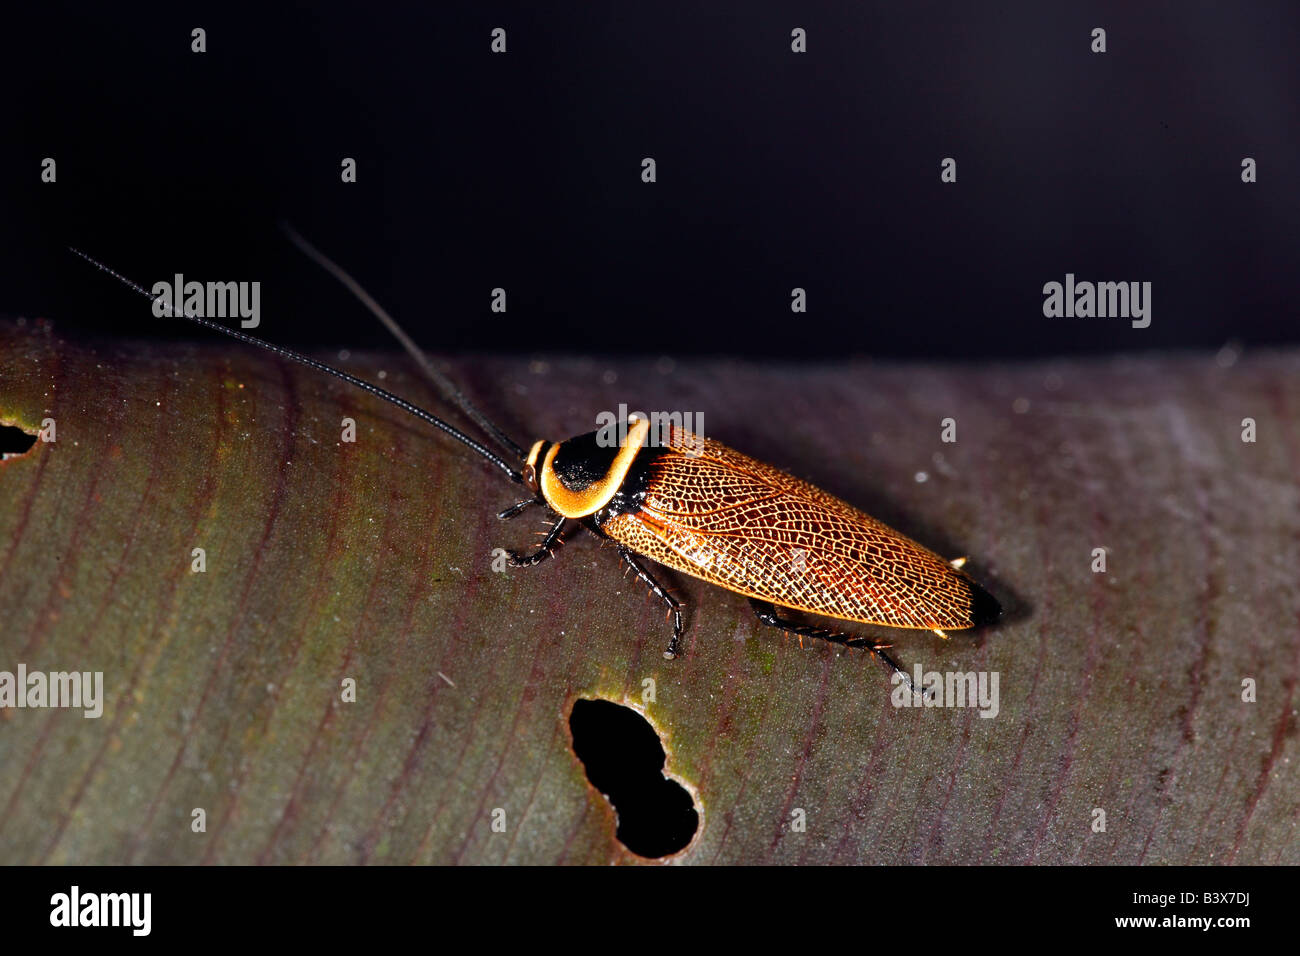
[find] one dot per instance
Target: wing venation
(721, 516)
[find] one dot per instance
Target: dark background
(775, 170)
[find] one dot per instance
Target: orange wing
(725, 518)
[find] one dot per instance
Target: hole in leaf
(624, 760)
(14, 442)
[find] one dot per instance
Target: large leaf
(1120, 691)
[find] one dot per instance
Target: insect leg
(552, 541)
(766, 613)
(675, 645)
(517, 508)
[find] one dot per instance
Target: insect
(703, 509)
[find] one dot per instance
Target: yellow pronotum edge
(579, 504)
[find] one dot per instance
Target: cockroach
(698, 507)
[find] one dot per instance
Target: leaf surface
(371, 561)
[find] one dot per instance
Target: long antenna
(387, 396)
(445, 385)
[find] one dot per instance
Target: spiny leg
(517, 508)
(766, 613)
(552, 540)
(674, 645)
